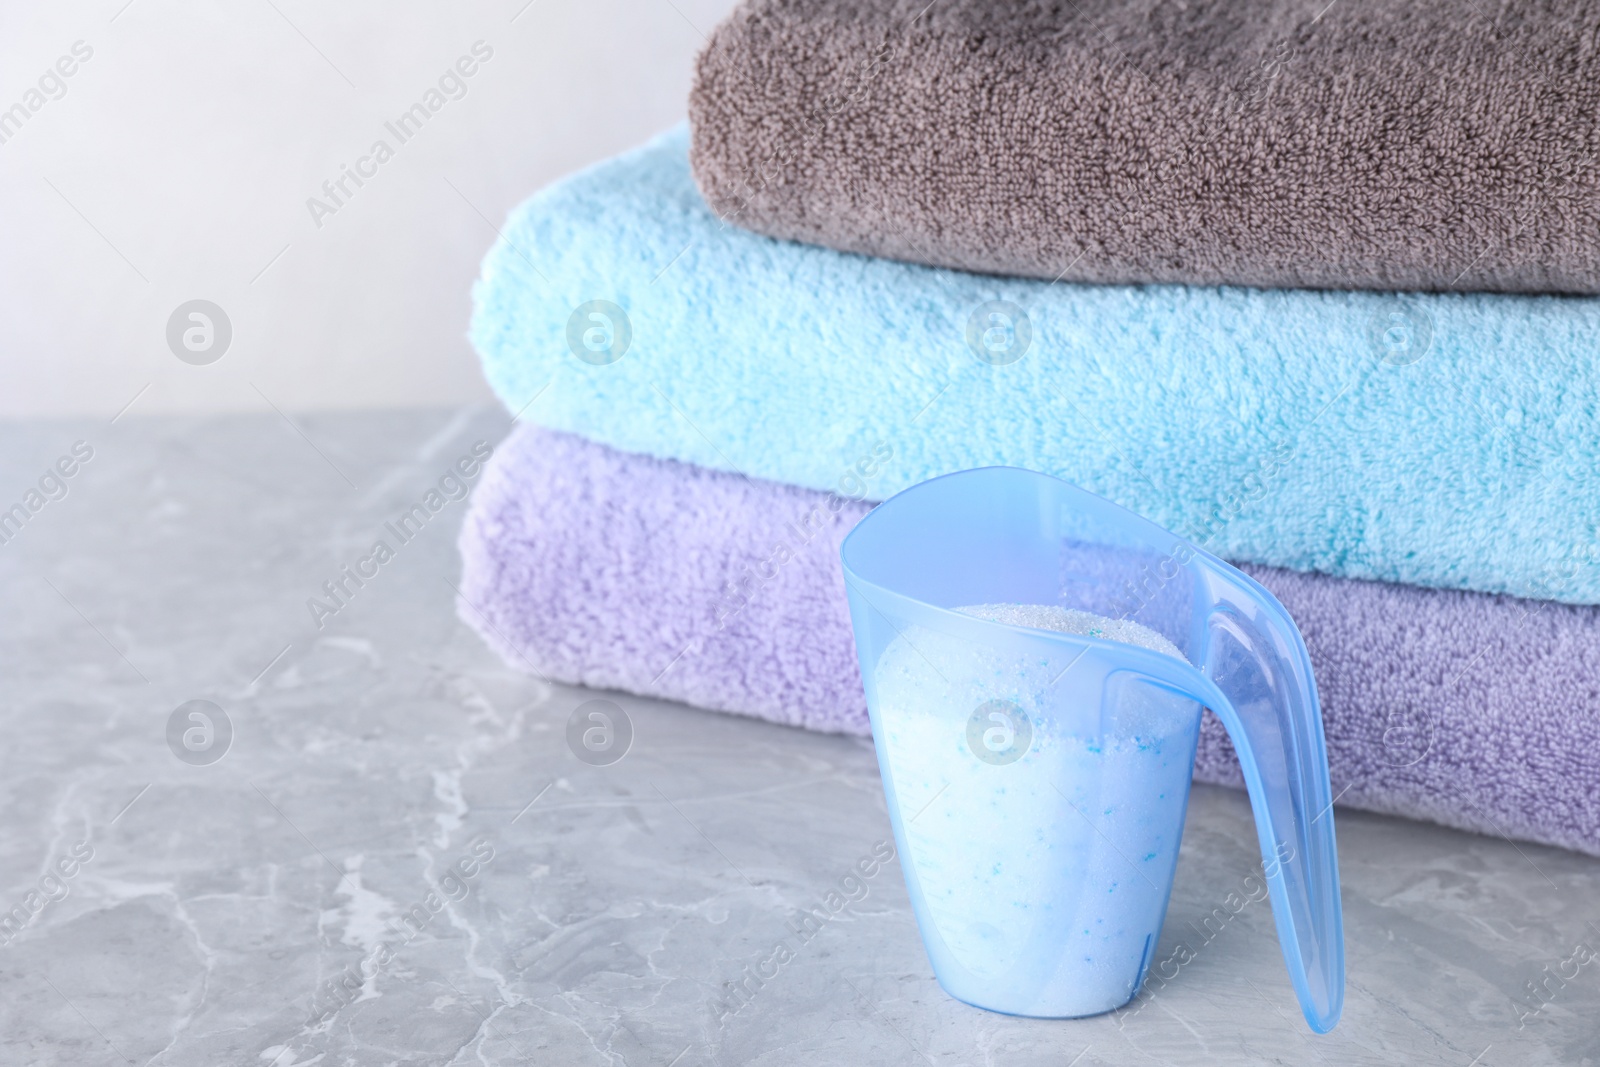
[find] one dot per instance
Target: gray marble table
(397, 858)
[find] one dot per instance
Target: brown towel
(1373, 144)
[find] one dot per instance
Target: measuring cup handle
(1257, 680)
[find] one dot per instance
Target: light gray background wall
(177, 163)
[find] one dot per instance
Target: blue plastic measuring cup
(1037, 779)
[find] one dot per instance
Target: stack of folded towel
(1068, 201)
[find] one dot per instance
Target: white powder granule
(1073, 621)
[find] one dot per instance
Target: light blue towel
(1440, 440)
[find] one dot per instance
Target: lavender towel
(619, 571)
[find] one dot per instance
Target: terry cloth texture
(605, 569)
(1374, 145)
(1443, 440)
